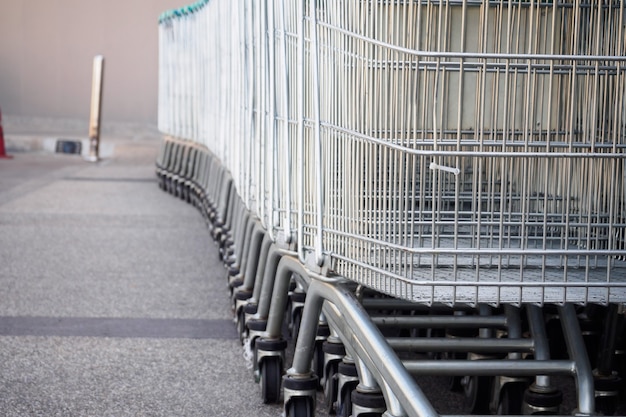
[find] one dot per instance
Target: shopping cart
(442, 178)
(471, 154)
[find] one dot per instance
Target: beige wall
(47, 48)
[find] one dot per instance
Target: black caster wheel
(270, 379)
(242, 330)
(344, 392)
(607, 405)
(542, 400)
(511, 399)
(607, 394)
(300, 407)
(233, 284)
(330, 390)
(477, 390)
(317, 363)
(374, 403)
(345, 408)
(330, 381)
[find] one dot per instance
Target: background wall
(47, 49)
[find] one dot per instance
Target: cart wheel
(300, 407)
(241, 325)
(477, 390)
(330, 388)
(270, 379)
(606, 405)
(608, 388)
(371, 404)
(511, 398)
(454, 383)
(345, 408)
(317, 364)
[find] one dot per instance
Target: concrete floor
(113, 301)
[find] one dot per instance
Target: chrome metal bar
(256, 241)
(286, 267)
(540, 338)
(514, 328)
(490, 367)
(300, 138)
(267, 284)
(260, 271)
(455, 322)
(370, 345)
(578, 354)
(319, 178)
(454, 344)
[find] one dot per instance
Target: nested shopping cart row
(441, 181)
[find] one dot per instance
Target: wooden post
(96, 106)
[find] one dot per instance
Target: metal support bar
(490, 367)
(578, 353)
(456, 322)
(287, 266)
(448, 344)
(266, 244)
(540, 337)
(370, 345)
(256, 241)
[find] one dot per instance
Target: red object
(3, 153)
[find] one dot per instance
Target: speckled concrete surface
(100, 243)
(102, 246)
(113, 301)
(77, 376)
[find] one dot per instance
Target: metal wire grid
(201, 86)
(454, 151)
(228, 82)
(270, 127)
(472, 151)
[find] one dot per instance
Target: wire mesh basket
(471, 152)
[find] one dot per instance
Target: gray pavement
(113, 301)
